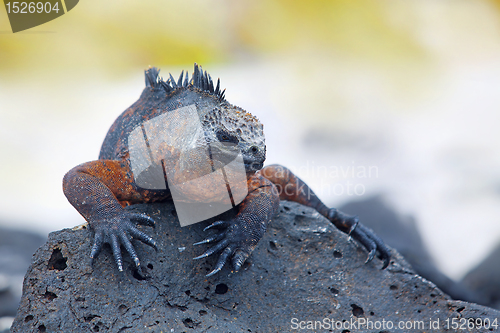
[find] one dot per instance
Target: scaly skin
(100, 189)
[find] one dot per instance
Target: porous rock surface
(16, 250)
(304, 272)
(402, 233)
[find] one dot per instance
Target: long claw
(222, 261)
(116, 252)
(234, 243)
(143, 219)
(130, 249)
(371, 255)
(385, 253)
(387, 260)
(238, 259)
(368, 239)
(96, 248)
(143, 237)
(211, 239)
(218, 224)
(205, 241)
(353, 227)
(200, 256)
(364, 240)
(214, 249)
(372, 243)
(119, 230)
(214, 271)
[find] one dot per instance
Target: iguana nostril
(254, 149)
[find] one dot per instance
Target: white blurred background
(360, 98)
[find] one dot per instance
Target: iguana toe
(364, 235)
(118, 231)
(235, 243)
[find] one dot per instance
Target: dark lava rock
(303, 270)
(16, 249)
(485, 278)
(401, 233)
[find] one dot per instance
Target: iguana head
(232, 130)
(228, 129)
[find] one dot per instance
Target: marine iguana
(100, 189)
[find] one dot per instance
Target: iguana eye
(223, 136)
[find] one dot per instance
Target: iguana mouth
(225, 156)
(253, 166)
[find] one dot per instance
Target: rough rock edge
(303, 268)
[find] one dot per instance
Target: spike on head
(200, 79)
(179, 82)
(172, 81)
(153, 78)
(238, 124)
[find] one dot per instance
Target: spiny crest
(200, 79)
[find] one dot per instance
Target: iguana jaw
(252, 163)
(252, 167)
(253, 156)
(225, 153)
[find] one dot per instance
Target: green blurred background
(410, 87)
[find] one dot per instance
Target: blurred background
(394, 100)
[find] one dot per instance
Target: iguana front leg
(98, 190)
(292, 188)
(240, 236)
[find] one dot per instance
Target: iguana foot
(351, 226)
(120, 230)
(234, 239)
